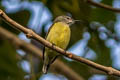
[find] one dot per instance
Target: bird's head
(66, 19)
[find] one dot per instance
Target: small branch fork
(30, 34)
(101, 5)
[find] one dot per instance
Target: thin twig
(30, 34)
(20, 44)
(101, 5)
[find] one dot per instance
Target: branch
(20, 44)
(30, 34)
(101, 5)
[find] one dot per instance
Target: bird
(59, 35)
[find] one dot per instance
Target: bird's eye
(68, 18)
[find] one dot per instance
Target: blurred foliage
(9, 69)
(78, 9)
(103, 53)
(102, 15)
(21, 17)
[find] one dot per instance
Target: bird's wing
(46, 37)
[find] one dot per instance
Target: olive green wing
(46, 37)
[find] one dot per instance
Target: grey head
(66, 19)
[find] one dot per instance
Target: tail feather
(47, 63)
(45, 68)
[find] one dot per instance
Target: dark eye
(68, 18)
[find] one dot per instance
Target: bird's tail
(47, 64)
(45, 68)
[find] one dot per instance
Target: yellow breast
(59, 34)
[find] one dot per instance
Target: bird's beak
(76, 20)
(73, 21)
